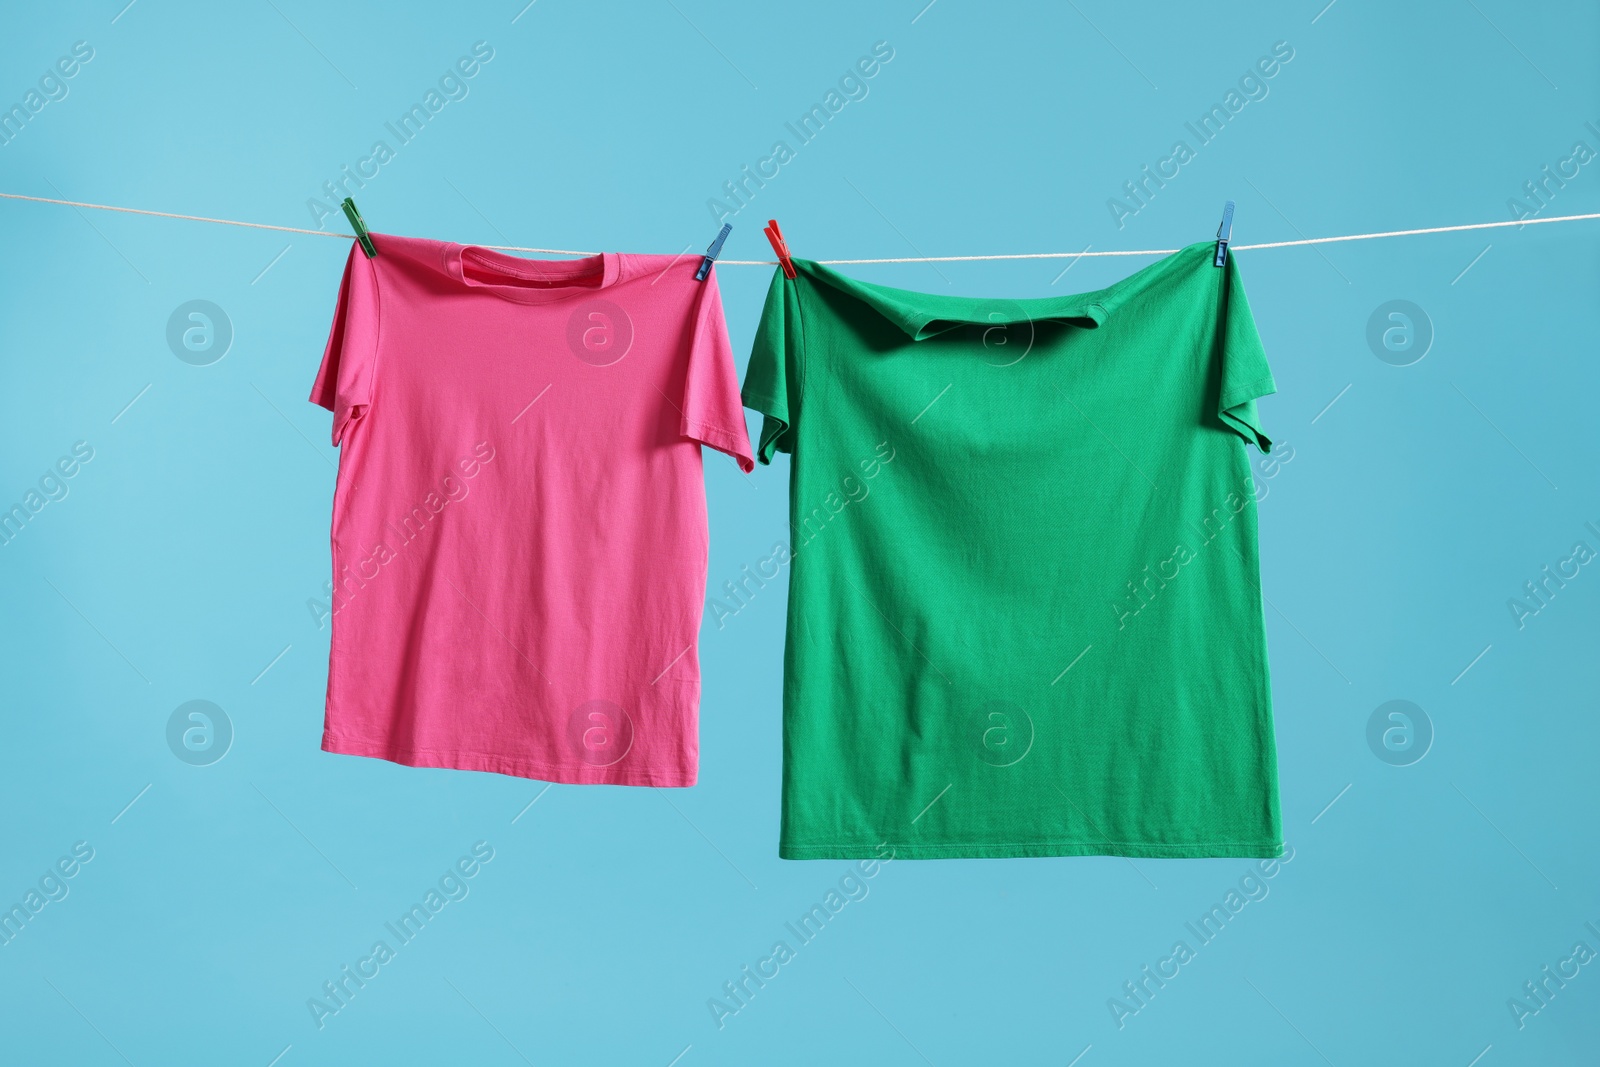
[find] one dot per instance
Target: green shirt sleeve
(1245, 374)
(774, 379)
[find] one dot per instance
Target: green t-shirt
(1024, 598)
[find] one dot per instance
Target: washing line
(1085, 254)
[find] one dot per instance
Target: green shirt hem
(1026, 849)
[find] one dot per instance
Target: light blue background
(180, 563)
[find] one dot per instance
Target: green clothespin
(360, 227)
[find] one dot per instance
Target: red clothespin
(780, 246)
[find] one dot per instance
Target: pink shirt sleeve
(344, 382)
(713, 413)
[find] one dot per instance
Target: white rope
(1086, 254)
(256, 225)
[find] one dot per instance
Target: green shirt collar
(925, 315)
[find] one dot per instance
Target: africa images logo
(599, 332)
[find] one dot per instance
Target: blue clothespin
(1224, 233)
(713, 252)
(360, 227)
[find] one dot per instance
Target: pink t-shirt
(519, 524)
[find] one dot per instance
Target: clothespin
(713, 252)
(360, 227)
(780, 246)
(1224, 234)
